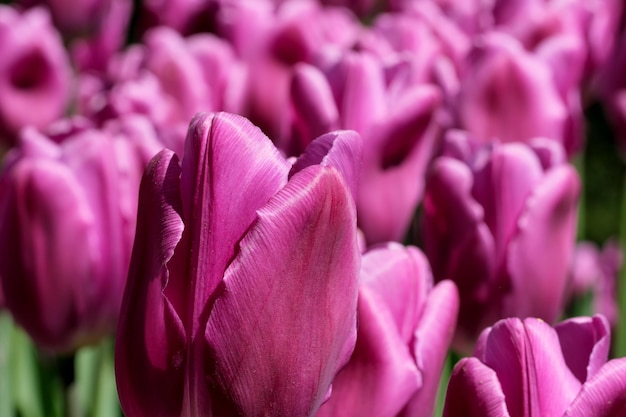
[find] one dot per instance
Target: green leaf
(6, 336)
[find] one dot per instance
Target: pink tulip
(397, 119)
(405, 328)
(500, 221)
(242, 289)
(35, 73)
(67, 221)
(527, 368)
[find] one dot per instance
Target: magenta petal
(44, 214)
(585, 342)
(151, 339)
(604, 394)
(402, 278)
(359, 86)
(474, 391)
(432, 340)
(285, 321)
(342, 150)
(502, 187)
(229, 170)
(527, 358)
(314, 105)
(381, 375)
(539, 254)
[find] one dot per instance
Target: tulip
(397, 120)
(168, 79)
(34, 71)
(271, 39)
(500, 221)
(242, 290)
(67, 220)
(405, 328)
(527, 368)
(509, 94)
(92, 52)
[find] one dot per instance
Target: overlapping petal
(284, 321)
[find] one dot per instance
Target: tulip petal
(539, 254)
(313, 104)
(151, 339)
(473, 391)
(381, 375)
(502, 187)
(604, 394)
(358, 84)
(342, 150)
(285, 320)
(458, 243)
(527, 358)
(44, 213)
(432, 340)
(396, 154)
(585, 342)
(229, 170)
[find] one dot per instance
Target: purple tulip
(93, 52)
(271, 39)
(35, 74)
(397, 119)
(405, 328)
(500, 221)
(168, 79)
(527, 368)
(509, 95)
(67, 221)
(242, 289)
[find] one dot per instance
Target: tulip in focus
(526, 368)
(35, 73)
(500, 221)
(242, 290)
(405, 329)
(67, 222)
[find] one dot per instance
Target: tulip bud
(67, 220)
(242, 290)
(527, 368)
(501, 224)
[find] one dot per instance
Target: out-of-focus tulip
(75, 18)
(397, 120)
(35, 73)
(500, 221)
(508, 94)
(168, 79)
(67, 221)
(596, 271)
(527, 368)
(271, 39)
(242, 291)
(93, 51)
(405, 329)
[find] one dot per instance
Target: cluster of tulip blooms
(307, 208)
